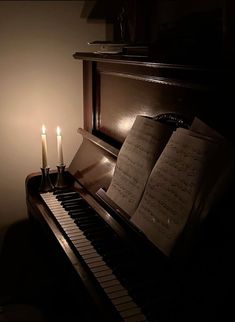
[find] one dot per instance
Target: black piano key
(68, 196)
(97, 235)
(75, 201)
(112, 258)
(102, 249)
(91, 226)
(80, 213)
(88, 219)
(110, 246)
(93, 231)
(115, 251)
(73, 207)
(143, 291)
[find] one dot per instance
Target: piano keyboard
(91, 236)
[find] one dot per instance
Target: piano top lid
(156, 62)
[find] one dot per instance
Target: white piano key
(103, 273)
(137, 318)
(83, 252)
(96, 264)
(62, 216)
(109, 277)
(55, 206)
(121, 300)
(81, 237)
(85, 247)
(67, 223)
(81, 242)
(131, 312)
(76, 232)
(67, 227)
(66, 220)
(77, 239)
(61, 212)
(126, 306)
(114, 288)
(95, 255)
(111, 283)
(99, 269)
(117, 294)
(93, 260)
(74, 229)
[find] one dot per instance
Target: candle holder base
(45, 185)
(60, 180)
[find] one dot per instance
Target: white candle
(59, 147)
(44, 147)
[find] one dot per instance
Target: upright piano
(125, 277)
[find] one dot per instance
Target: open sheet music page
(172, 187)
(200, 127)
(139, 152)
(222, 168)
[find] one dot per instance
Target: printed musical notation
(172, 188)
(164, 178)
(136, 159)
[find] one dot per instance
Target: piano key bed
(111, 262)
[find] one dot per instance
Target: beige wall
(40, 83)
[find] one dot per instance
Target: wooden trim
(87, 95)
(159, 80)
(147, 62)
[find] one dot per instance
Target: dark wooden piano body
(192, 286)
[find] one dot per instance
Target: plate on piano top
(107, 47)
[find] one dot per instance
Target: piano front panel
(140, 94)
(116, 91)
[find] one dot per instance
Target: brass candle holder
(45, 185)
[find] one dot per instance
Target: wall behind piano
(40, 83)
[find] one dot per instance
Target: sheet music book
(164, 177)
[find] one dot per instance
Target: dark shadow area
(36, 285)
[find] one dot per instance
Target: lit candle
(59, 147)
(44, 147)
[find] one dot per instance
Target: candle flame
(58, 130)
(43, 129)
